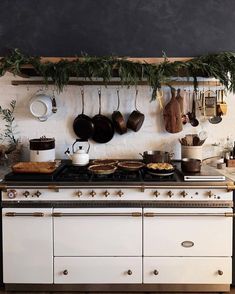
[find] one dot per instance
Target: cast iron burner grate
(82, 174)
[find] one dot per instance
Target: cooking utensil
(191, 165)
(196, 141)
(118, 119)
(151, 169)
(216, 118)
(34, 167)
(192, 116)
(136, 118)
(79, 157)
(223, 105)
(130, 165)
(42, 105)
(172, 115)
(103, 126)
(42, 149)
(209, 103)
(104, 161)
(156, 156)
(103, 169)
(83, 125)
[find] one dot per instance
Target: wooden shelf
(112, 83)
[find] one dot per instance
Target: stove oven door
(188, 232)
(27, 245)
(197, 241)
(98, 232)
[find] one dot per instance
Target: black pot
(42, 143)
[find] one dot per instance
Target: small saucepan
(136, 118)
(191, 165)
(156, 156)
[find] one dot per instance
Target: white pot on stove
(42, 149)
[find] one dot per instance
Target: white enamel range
(134, 228)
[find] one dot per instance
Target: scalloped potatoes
(160, 166)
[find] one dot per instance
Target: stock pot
(42, 149)
(156, 156)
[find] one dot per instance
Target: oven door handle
(222, 214)
(35, 214)
(62, 214)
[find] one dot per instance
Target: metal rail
(224, 214)
(60, 214)
(34, 214)
(227, 186)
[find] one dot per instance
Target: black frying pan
(103, 126)
(118, 119)
(83, 126)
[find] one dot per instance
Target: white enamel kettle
(79, 157)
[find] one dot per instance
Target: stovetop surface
(81, 174)
(66, 172)
(70, 173)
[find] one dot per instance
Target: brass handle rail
(227, 187)
(60, 214)
(35, 214)
(224, 214)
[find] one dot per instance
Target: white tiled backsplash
(151, 136)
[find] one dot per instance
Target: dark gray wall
(120, 27)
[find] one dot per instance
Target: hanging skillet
(103, 126)
(118, 119)
(83, 126)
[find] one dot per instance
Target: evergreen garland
(220, 66)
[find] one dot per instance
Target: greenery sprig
(9, 132)
(220, 66)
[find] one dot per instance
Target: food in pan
(102, 169)
(160, 166)
(34, 167)
(131, 165)
(104, 161)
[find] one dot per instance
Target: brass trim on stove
(154, 214)
(228, 187)
(62, 214)
(34, 214)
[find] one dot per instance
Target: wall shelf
(112, 83)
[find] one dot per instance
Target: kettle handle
(81, 140)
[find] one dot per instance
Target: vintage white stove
(117, 234)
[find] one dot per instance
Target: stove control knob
(156, 193)
(79, 193)
(210, 194)
(120, 193)
(183, 193)
(106, 193)
(170, 193)
(26, 194)
(11, 194)
(155, 272)
(37, 193)
(93, 193)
